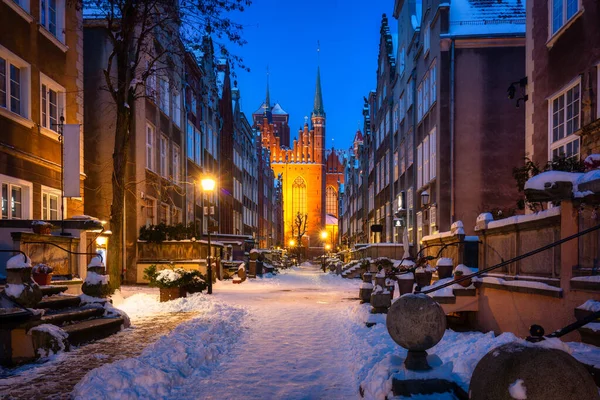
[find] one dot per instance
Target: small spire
(268, 97)
(318, 111)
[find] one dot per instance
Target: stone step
(87, 331)
(60, 317)
(57, 302)
(590, 333)
(53, 289)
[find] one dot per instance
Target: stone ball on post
(417, 323)
(516, 370)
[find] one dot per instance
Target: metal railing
(512, 260)
(77, 253)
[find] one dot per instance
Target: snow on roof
(486, 17)
(539, 181)
(519, 219)
(278, 110)
(261, 109)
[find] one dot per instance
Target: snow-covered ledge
(586, 283)
(512, 284)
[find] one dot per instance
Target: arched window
(331, 201)
(299, 197)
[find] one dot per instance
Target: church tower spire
(318, 110)
(268, 97)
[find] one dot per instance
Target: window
(176, 164)
(409, 221)
(14, 83)
(426, 39)
(409, 94)
(299, 197)
(151, 83)
(564, 113)
(52, 15)
(52, 103)
(419, 226)
(562, 11)
(150, 205)
(164, 94)
(433, 82)
(402, 60)
(163, 214)
(150, 147)
(426, 160)
(420, 165)
(16, 198)
(432, 153)
(50, 205)
(396, 166)
(409, 149)
(176, 216)
(420, 101)
(198, 152)
(164, 145)
(331, 203)
(176, 116)
(190, 140)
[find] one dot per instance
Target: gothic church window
(299, 196)
(331, 205)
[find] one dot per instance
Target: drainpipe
(414, 164)
(452, 112)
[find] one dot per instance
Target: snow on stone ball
(18, 262)
(416, 322)
(96, 262)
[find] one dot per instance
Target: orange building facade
(310, 176)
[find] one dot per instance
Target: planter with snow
(19, 285)
(42, 274)
(406, 282)
(48, 339)
(96, 281)
(41, 227)
(444, 267)
(366, 288)
(172, 293)
(460, 271)
(381, 300)
(423, 275)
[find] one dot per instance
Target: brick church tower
(302, 168)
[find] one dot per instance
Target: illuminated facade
(308, 173)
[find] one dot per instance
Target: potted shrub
(170, 282)
(193, 282)
(42, 274)
(460, 271)
(41, 227)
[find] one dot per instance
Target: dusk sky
(284, 35)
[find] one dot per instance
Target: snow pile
(366, 285)
(444, 292)
(548, 179)
(96, 261)
(462, 268)
(59, 338)
(18, 262)
(13, 290)
(590, 305)
(485, 217)
(381, 274)
(143, 304)
(162, 366)
(528, 284)
(517, 390)
(406, 264)
(93, 278)
(426, 268)
(519, 219)
(167, 276)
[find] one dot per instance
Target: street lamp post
(208, 186)
(324, 235)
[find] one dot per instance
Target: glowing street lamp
(324, 235)
(292, 242)
(208, 186)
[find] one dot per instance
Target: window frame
(61, 105)
(163, 161)
(24, 115)
(176, 163)
(60, 26)
(150, 210)
(567, 138)
(24, 10)
(566, 21)
(26, 196)
(150, 151)
(49, 191)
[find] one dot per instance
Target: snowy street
(300, 334)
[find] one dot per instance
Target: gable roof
(487, 17)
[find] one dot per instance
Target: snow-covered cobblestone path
(295, 343)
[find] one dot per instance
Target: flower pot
(444, 271)
(423, 278)
(466, 283)
(405, 285)
(42, 279)
(167, 294)
(42, 229)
